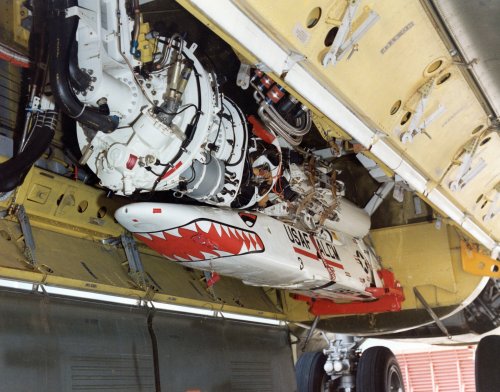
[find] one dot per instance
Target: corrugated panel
(10, 87)
(251, 376)
(439, 371)
(112, 373)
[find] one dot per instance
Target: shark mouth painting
(201, 240)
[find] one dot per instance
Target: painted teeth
(250, 246)
(208, 256)
(192, 258)
(158, 234)
(218, 228)
(144, 235)
(191, 227)
(225, 230)
(221, 253)
(204, 225)
(255, 241)
(232, 232)
(181, 258)
(174, 232)
(244, 248)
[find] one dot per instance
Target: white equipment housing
(201, 146)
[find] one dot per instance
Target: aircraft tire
(309, 372)
(486, 363)
(378, 371)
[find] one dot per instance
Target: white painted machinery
(151, 118)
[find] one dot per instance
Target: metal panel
(55, 344)
(474, 26)
(443, 371)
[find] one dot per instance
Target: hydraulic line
(13, 171)
(62, 34)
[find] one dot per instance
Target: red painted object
(132, 160)
(259, 130)
(172, 170)
(389, 299)
(213, 279)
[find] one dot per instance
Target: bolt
(149, 160)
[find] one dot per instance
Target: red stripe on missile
(315, 257)
(305, 253)
(334, 264)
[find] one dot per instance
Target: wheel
(487, 375)
(311, 376)
(378, 371)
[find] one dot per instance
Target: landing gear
(378, 371)
(311, 376)
(345, 370)
(487, 376)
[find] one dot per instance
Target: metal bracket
(467, 171)
(429, 310)
(378, 197)
(476, 263)
(419, 123)
(136, 269)
(469, 64)
(414, 129)
(24, 222)
(311, 331)
(389, 299)
(493, 208)
(5, 195)
(342, 44)
(263, 67)
(292, 59)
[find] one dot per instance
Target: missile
(257, 249)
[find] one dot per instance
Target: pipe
(62, 34)
(13, 171)
(274, 122)
(15, 58)
(165, 53)
(135, 34)
(80, 80)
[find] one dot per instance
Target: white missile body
(258, 249)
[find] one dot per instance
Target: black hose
(62, 34)
(13, 171)
(154, 345)
(80, 80)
